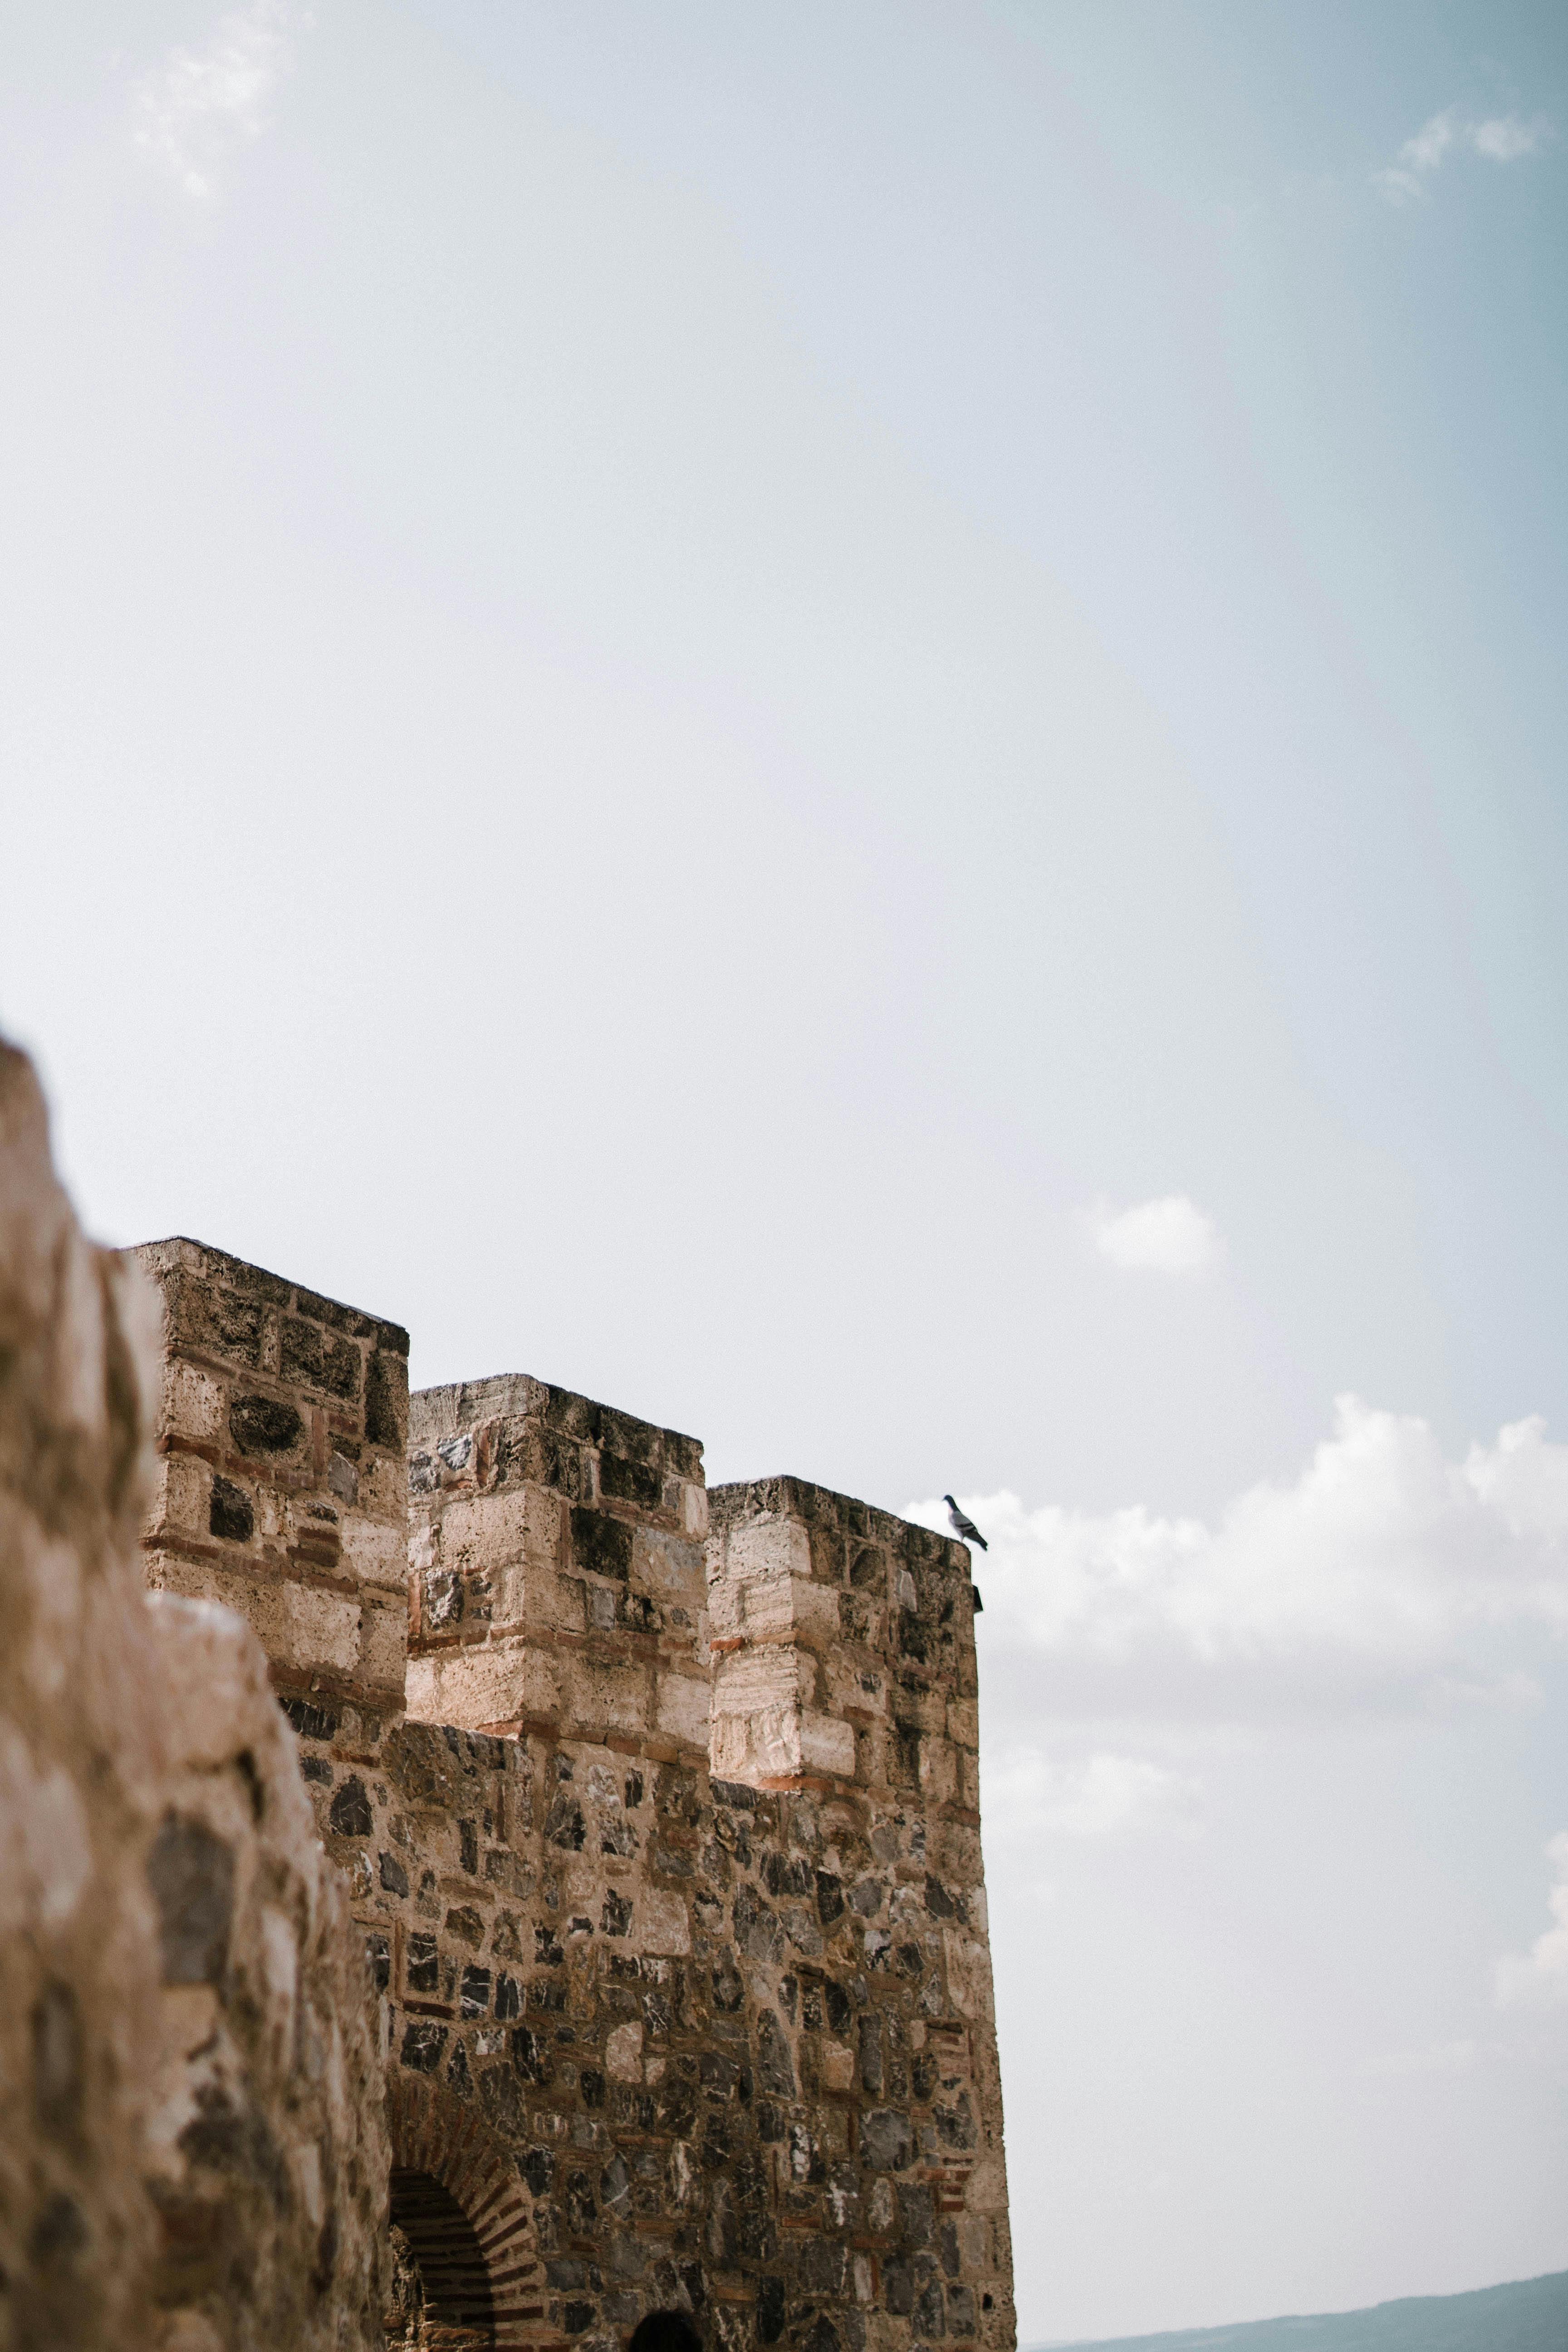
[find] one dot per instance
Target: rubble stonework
(192, 2152)
(669, 1874)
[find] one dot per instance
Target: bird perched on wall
(965, 1527)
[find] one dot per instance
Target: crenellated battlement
(843, 1641)
(556, 1566)
(658, 1811)
(281, 1485)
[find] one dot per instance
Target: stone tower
(659, 1810)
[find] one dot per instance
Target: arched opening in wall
(439, 2298)
(665, 2331)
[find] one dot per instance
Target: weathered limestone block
(192, 2152)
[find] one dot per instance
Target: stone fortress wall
(192, 2139)
(658, 1812)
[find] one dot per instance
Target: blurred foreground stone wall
(192, 2151)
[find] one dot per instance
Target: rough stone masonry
(656, 1815)
(192, 2143)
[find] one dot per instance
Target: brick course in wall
(670, 1872)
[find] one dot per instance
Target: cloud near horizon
(201, 105)
(1128, 1655)
(1384, 1571)
(1498, 138)
(1539, 1977)
(1170, 1235)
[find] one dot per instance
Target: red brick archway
(474, 2234)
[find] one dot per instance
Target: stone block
(376, 1553)
(827, 1745)
(181, 1496)
(382, 1659)
(488, 1684)
(764, 1550)
(838, 2067)
(532, 1597)
(660, 1925)
(486, 1531)
(669, 1567)
(694, 1510)
(195, 1403)
(622, 2053)
(968, 1966)
(963, 1722)
(597, 1696)
(683, 1705)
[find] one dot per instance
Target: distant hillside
(1530, 2316)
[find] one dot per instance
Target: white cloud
(1382, 1564)
(1165, 1236)
(1430, 144)
(200, 105)
(1121, 1645)
(1501, 139)
(1540, 1977)
(1028, 1795)
(1505, 138)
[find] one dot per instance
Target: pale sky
(846, 722)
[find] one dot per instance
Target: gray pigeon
(963, 1526)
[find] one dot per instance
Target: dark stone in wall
(59, 2233)
(57, 2062)
(601, 1545)
(630, 1482)
(770, 2310)
(887, 2144)
(231, 1514)
(260, 1424)
(315, 1358)
(528, 2055)
(386, 1402)
(422, 2045)
(210, 1319)
(311, 1722)
(191, 1873)
(351, 1815)
(563, 1824)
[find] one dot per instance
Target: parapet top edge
(206, 1259)
(454, 1405)
(787, 1495)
